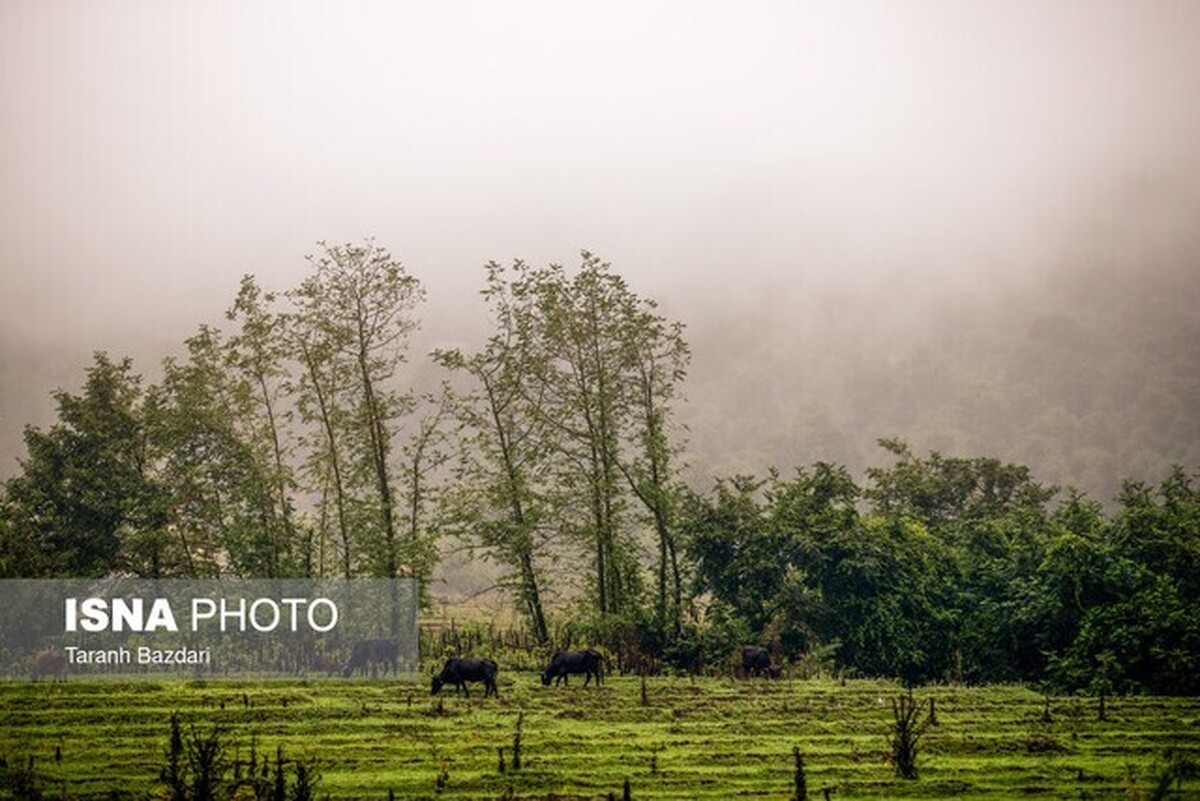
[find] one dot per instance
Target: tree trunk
(324, 407)
(379, 448)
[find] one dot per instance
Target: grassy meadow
(683, 739)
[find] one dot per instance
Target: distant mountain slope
(1089, 377)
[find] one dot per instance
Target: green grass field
(707, 738)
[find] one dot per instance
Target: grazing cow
(49, 662)
(368, 653)
(562, 665)
(460, 671)
(756, 661)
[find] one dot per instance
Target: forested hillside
(1087, 376)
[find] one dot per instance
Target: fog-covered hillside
(1089, 375)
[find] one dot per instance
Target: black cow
(756, 661)
(368, 653)
(460, 671)
(562, 664)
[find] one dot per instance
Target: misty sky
(717, 153)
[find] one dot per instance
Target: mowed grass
(693, 739)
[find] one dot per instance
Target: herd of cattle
(459, 671)
(367, 656)
(754, 661)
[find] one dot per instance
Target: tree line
(943, 568)
(291, 442)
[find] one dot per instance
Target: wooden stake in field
(516, 760)
(801, 780)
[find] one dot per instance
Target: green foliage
(961, 569)
(584, 326)
(887, 596)
(86, 482)
(200, 475)
(736, 555)
(256, 370)
(796, 564)
(947, 493)
(354, 314)
(221, 496)
(567, 435)
(1134, 594)
(293, 444)
(503, 503)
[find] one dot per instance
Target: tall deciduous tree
(86, 483)
(220, 492)
(504, 499)
(358, 305)
(256, 352)
(581, 381)
(574, 395)
(322, 389)
(598, 341)
(658, 360)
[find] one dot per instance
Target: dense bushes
(947, 568)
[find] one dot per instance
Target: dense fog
(968, 225)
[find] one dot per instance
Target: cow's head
(546, 678)
(436, 685)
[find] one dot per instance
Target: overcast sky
(152, 152)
